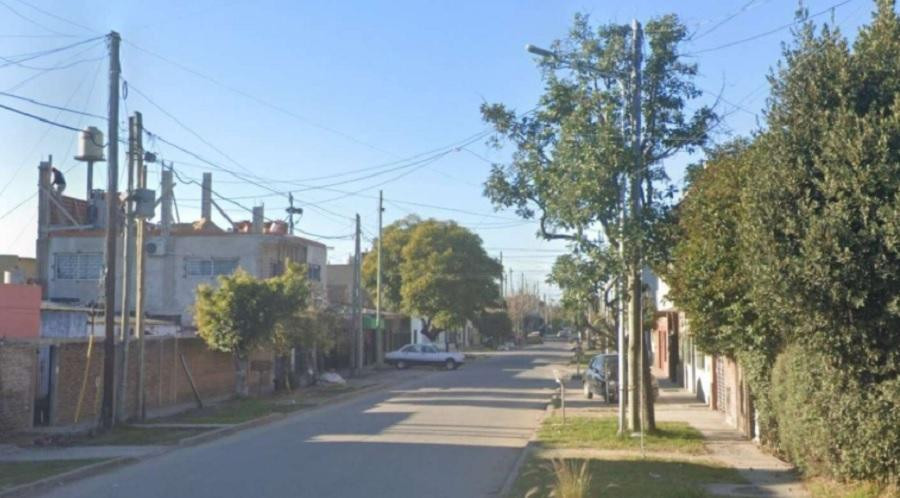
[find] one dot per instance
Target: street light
(543, 52)
(623, 381)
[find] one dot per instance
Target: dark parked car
(601, 377)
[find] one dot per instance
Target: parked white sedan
(424, 354)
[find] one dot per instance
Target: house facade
(177, 256)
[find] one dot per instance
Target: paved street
(440, 434)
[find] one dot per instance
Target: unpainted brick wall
(18, 367)
(165, 382)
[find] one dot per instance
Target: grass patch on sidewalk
(601, 433)
(628, 478)
(826, 488)
(241, 410)
(18, 473)
(129, 435)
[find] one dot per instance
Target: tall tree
(440, 272)
(241, 314)
(394, 238)
(574, 152)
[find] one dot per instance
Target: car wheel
(401, 365)
(587, 390)
(450, 364)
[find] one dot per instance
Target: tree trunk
(647, 403)
(241, 364)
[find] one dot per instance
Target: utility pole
(291, 211)
(379, 331)
(357, 305)
(139, 264)
(127, 265)
(635, 345)
(502, 278)
(107, 417)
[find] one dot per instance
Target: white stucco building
(178, 256)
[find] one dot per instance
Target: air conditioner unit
(156, 246)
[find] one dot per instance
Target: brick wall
(18, 364)
(165, 381)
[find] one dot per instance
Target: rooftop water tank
(90, 145)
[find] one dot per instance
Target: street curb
(225, 431)
(31, 488)
(34, 487)
(523, 456)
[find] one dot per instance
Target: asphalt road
(438, 434)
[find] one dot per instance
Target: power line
(47, 130)
(771, 31)
(726, 20)
(188, 129)
(51, 106)
(19, 59)
(58, 18)
(259, 100)
(39, 118)
(32, 21)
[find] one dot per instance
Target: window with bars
(78, 265)
(315, 273)
(210, 267)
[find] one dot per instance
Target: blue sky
(347, 85)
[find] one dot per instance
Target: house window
(224, 266)
(79, 266)
(315, 273)
(208, 267)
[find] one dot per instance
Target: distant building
(21, 269)
(178, 256)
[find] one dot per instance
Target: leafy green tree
(584, 282)
(438, 271)
(789, 256)
(495, 326)
(574, 152)
(311, 330)
(242, 312)
(394, 238)
(447, 276)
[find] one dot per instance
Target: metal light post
(622, 372)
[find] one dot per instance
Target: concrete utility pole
(206, 197)
(357, 303)
(127, 278)
(139, 264)
(379, 331)
(635, 315)
(107, 415)
(502, 278)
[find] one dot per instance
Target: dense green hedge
(828, 425)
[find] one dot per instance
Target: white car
(424, 354)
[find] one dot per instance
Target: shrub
(831, 424)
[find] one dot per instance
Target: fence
(75, 373)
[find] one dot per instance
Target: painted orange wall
(20, 311)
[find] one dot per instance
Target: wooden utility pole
(107, 414)
(139, 264)
(379, 330)
(127, 278)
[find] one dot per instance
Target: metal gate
(721, 397)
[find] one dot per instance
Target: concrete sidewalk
(767, 475)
